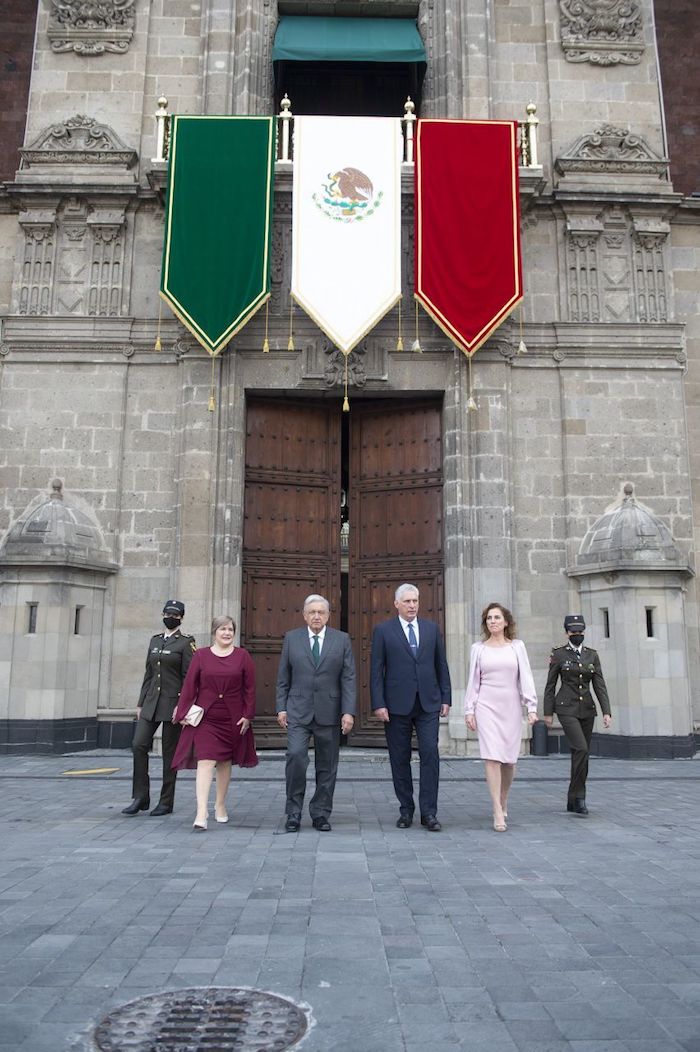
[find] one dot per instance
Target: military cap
(574, 623)
(174, 606)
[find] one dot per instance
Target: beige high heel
(200, 827)
(499, 827)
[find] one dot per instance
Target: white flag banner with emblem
(346, 227)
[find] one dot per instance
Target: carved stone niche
(61, 150)
(615, 152)
(91, 27)
(604, 32)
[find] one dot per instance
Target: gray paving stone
(564, 936)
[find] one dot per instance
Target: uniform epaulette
(193, 645)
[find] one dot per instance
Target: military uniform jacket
(578, 673)
(167, 662)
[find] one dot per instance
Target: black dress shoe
(580, 806)
(404, 821)
(569, 805)
(161, 809)
(139, 803)
(292, 824)
(431, 823)
(322, 824)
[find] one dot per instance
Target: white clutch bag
(194, 716)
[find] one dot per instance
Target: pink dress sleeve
(474, 683)
(528, 694)
(190, 687)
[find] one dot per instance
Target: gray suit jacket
(322, 693)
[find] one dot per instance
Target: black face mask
(171, 622)
(576, 638)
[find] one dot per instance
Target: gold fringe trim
(266, 342)
(220, 346)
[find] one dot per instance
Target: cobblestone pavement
(561, 935)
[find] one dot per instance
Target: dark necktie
(412, 640)
(315, 650)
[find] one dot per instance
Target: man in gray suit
(316, 694)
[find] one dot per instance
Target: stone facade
(606, 393)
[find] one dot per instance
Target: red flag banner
(467, 269)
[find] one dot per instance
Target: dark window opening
(31, 618)
(650, 622)
(606, 623)
(76, 622)
(348, 89)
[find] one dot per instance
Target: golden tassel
(471, 402)
(346, 403)
(399, 342)
(290, 342)
(158, 344)
(212, 401)
(266, 342)
(415, 346)
(522, 347)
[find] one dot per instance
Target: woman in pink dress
(221, 680)
(500, 683)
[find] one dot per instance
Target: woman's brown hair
(509, 630)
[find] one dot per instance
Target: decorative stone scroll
(604, 32)
(610, 151)
(79, 140)
(91, 27)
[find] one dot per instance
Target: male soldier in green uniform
(578, 667)
(167, 661)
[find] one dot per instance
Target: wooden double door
(345, 505)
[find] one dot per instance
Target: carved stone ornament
(91, 27)
(334, 372)
(79, 140)
(610, 150)
(604, 32)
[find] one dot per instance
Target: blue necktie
(412, 640)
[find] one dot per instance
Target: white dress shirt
(405, 624)
(321, 637)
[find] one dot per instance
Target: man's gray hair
(317, 599)
(403, 588)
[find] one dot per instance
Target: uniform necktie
(412, 640)
(315, 650)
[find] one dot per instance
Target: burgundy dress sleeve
(248, 691)
(190, 687)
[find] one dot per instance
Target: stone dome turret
(54, 530)
(629, 536)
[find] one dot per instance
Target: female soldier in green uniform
(578, 668)
(168, 658)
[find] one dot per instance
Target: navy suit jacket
(396, 677)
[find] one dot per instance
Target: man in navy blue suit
(410, 687)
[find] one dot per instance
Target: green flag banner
(216, 256)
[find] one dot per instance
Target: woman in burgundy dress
(221, 680)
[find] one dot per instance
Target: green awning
(302, 38)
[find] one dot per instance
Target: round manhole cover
(208, 1020)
